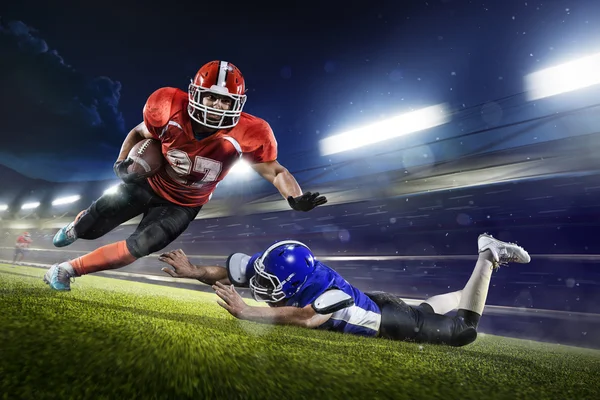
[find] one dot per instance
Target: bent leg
(111, 210)
(105, 214)
(492, 254)
(399, 321)
(443, 303)
(160, 226)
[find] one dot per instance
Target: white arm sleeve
(236, 269)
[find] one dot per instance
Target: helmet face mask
(221, 79)
(266, 287)
(213, 117)
(281, 271)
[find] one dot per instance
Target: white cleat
(59, 276)
(503, 252)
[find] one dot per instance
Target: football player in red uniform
(203, 133)
(21, 246)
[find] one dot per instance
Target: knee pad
(151, 239)
(425, 308)
(443, 329)
(142, 244)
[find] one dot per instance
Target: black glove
(307, 201)
(120, 169)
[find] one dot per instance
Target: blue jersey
(363, 318)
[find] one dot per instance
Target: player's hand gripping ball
(143, 161)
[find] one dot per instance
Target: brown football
(147, 158)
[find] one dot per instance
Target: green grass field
(117, 339)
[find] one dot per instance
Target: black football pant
(162, 222)
(421, 324)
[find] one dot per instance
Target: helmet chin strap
(202, 131)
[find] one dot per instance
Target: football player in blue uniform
(304, 292)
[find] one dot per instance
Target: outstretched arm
(287, 185)
(305, 317)
(280, 177)
(183, 268)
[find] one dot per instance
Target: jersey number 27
(186, 170)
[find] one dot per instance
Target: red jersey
(195, 167)
(23, 242)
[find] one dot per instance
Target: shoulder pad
(158, 108)
(332, 301)
(260, 141)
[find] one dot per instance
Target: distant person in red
(21, 247)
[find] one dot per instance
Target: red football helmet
(221, 78)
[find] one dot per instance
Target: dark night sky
(75, 75)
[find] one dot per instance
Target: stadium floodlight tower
(400, 125)
(65, 200)
(567, 77)
(30, 206)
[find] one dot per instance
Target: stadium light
(3, 207)
(65, 200)
(563, 78)
(112, 189)
(30, 206)
(400, 125)
(240, 168)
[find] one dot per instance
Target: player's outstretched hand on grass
(182, 267)
(232, 301)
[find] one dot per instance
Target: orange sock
(111, 256)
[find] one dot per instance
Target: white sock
(475, 292)
(444, 303)
(69, 268)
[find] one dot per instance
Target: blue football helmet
(281, 271)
